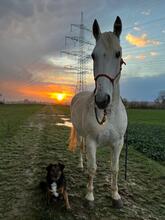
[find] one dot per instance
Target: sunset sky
(32, 35)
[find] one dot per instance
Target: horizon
(32, 36)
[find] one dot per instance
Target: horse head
(107, 61)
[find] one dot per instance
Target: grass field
(35, 141)
(146, 132)
(12, 116)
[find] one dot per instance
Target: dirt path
(40, 142)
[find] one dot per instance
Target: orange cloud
(131, 57)
(141, 57)
(141, 41)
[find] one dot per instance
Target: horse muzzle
(102, 102)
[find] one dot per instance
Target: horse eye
(93, 56)
(118, 54)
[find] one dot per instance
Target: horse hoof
(118, 204)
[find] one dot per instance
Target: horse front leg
(115, 154)
(81, 145)
(91, 166)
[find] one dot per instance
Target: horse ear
(96, 30)
(117, 28)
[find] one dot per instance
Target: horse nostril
(108, 99)
(102, 102)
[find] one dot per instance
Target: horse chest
(107, 136)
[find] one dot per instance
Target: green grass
(146, 116)
(146, 132)
(12, 116)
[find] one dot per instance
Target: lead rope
(126, 153)
(103, 119)
(126, 148)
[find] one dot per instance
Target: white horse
(100, 117)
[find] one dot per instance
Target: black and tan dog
(56, 184)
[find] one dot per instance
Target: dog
(56, 184)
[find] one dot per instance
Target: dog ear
(49, 167)
(62, 166)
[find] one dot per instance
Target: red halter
(109, 77)
(112, 80)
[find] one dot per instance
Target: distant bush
(143, 104)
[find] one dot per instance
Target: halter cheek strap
(109, 77)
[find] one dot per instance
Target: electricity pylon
(81, 54)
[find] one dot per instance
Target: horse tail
(73, 139)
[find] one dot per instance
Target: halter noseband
(112, 81)
(109, 77)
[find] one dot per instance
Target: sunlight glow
(58, 96)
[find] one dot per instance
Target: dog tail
(73, 139)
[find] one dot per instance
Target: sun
(58, 96)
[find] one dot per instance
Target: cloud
(140, 57)
(146, 12)
(141, 41)
(163, 31)
(128, 57)
(131, 57)
(16, 7)
(137, 28)
(136, 23)
(153, 53)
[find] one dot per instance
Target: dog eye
(118, 54)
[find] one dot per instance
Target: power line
(145, 23)
(142, 51)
